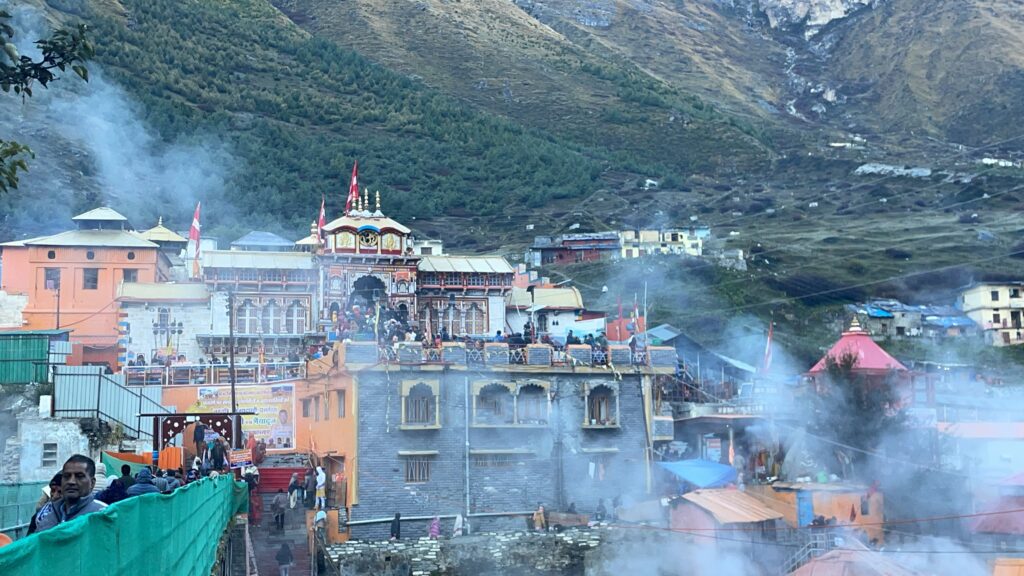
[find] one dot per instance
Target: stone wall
(511, 553)
(511, 469)
(11, 307)
(23, 454)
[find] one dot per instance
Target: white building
(552, 311)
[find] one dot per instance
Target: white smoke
(93, 148)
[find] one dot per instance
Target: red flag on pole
(322, 220)
(193, 236)
(353, 188)
(766, 364)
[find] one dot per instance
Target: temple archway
(367, 291)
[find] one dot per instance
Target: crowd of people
(83, 486)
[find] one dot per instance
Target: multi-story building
(72, 279)
(996, 307)
(573, 248)
(492, 440)
(640, 242)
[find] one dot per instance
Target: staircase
(267, 540)
(815, 543)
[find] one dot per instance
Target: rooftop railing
(503, 354)
(212, 374)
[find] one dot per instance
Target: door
(804, 508)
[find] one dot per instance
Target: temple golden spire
(366, 199)
(378, 200)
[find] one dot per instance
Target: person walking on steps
(284, 559)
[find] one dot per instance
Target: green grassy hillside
(297, 110)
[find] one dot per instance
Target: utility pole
(58, 305)
(236, 432)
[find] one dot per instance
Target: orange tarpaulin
(145, 459)
(170, 458)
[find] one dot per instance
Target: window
(420, 406)
(131, 255)
(475, 320)
(602, 406)
(52, 255)
(163, 316)
(316, 408)
(131, 275)
(865, 506)
(339, 399)
(306, 404)
(90, 255)
(996, 318)
(49, 454)
(1014, 292)
(90, 278)
(532, 405)
(246, 321)
(494, 406)
(426, 251)
(271, 320)
(995, 295)
(417, 470)
(51, 278)
(295, 320)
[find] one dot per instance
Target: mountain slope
(498, 57)
(952, 68)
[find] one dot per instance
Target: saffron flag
(193, 236)
(766, 364)
(321, 221)
(353, 188)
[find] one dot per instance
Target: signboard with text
(274, 407)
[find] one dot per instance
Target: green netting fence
(169, 534)
(17, 505)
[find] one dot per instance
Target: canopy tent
(701, 473)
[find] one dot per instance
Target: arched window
(532, 405)
(246, 318)
(427, 321)
(419, 405)
(494, 405)
(271, 318)
(602, 407)
(163, 316)
(453, 320)
(475, 324)
(295, 321)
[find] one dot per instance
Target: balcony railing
(501, 354)
(212, 374)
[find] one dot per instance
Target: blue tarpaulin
(701, 473)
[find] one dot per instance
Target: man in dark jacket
(143, 484)
(396, 527)
(126, 476)
(78, 480)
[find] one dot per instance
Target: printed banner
(274, 408)
(241, 458)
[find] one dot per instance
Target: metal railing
(85, 392)
(193, 374)
(515, 355)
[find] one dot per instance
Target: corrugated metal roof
(150, 292)
(983, 430)
(852, 563)
(730, 506)
(1008, 567)
(21, 242)
(1000, 517)
(257, 238)
(243, 259)
(819, 487)
(376, 223)
(467, 264)
(545, 299)
(95, 238)
(103, 213)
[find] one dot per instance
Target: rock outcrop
(812, 15)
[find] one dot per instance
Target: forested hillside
(296, 111)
